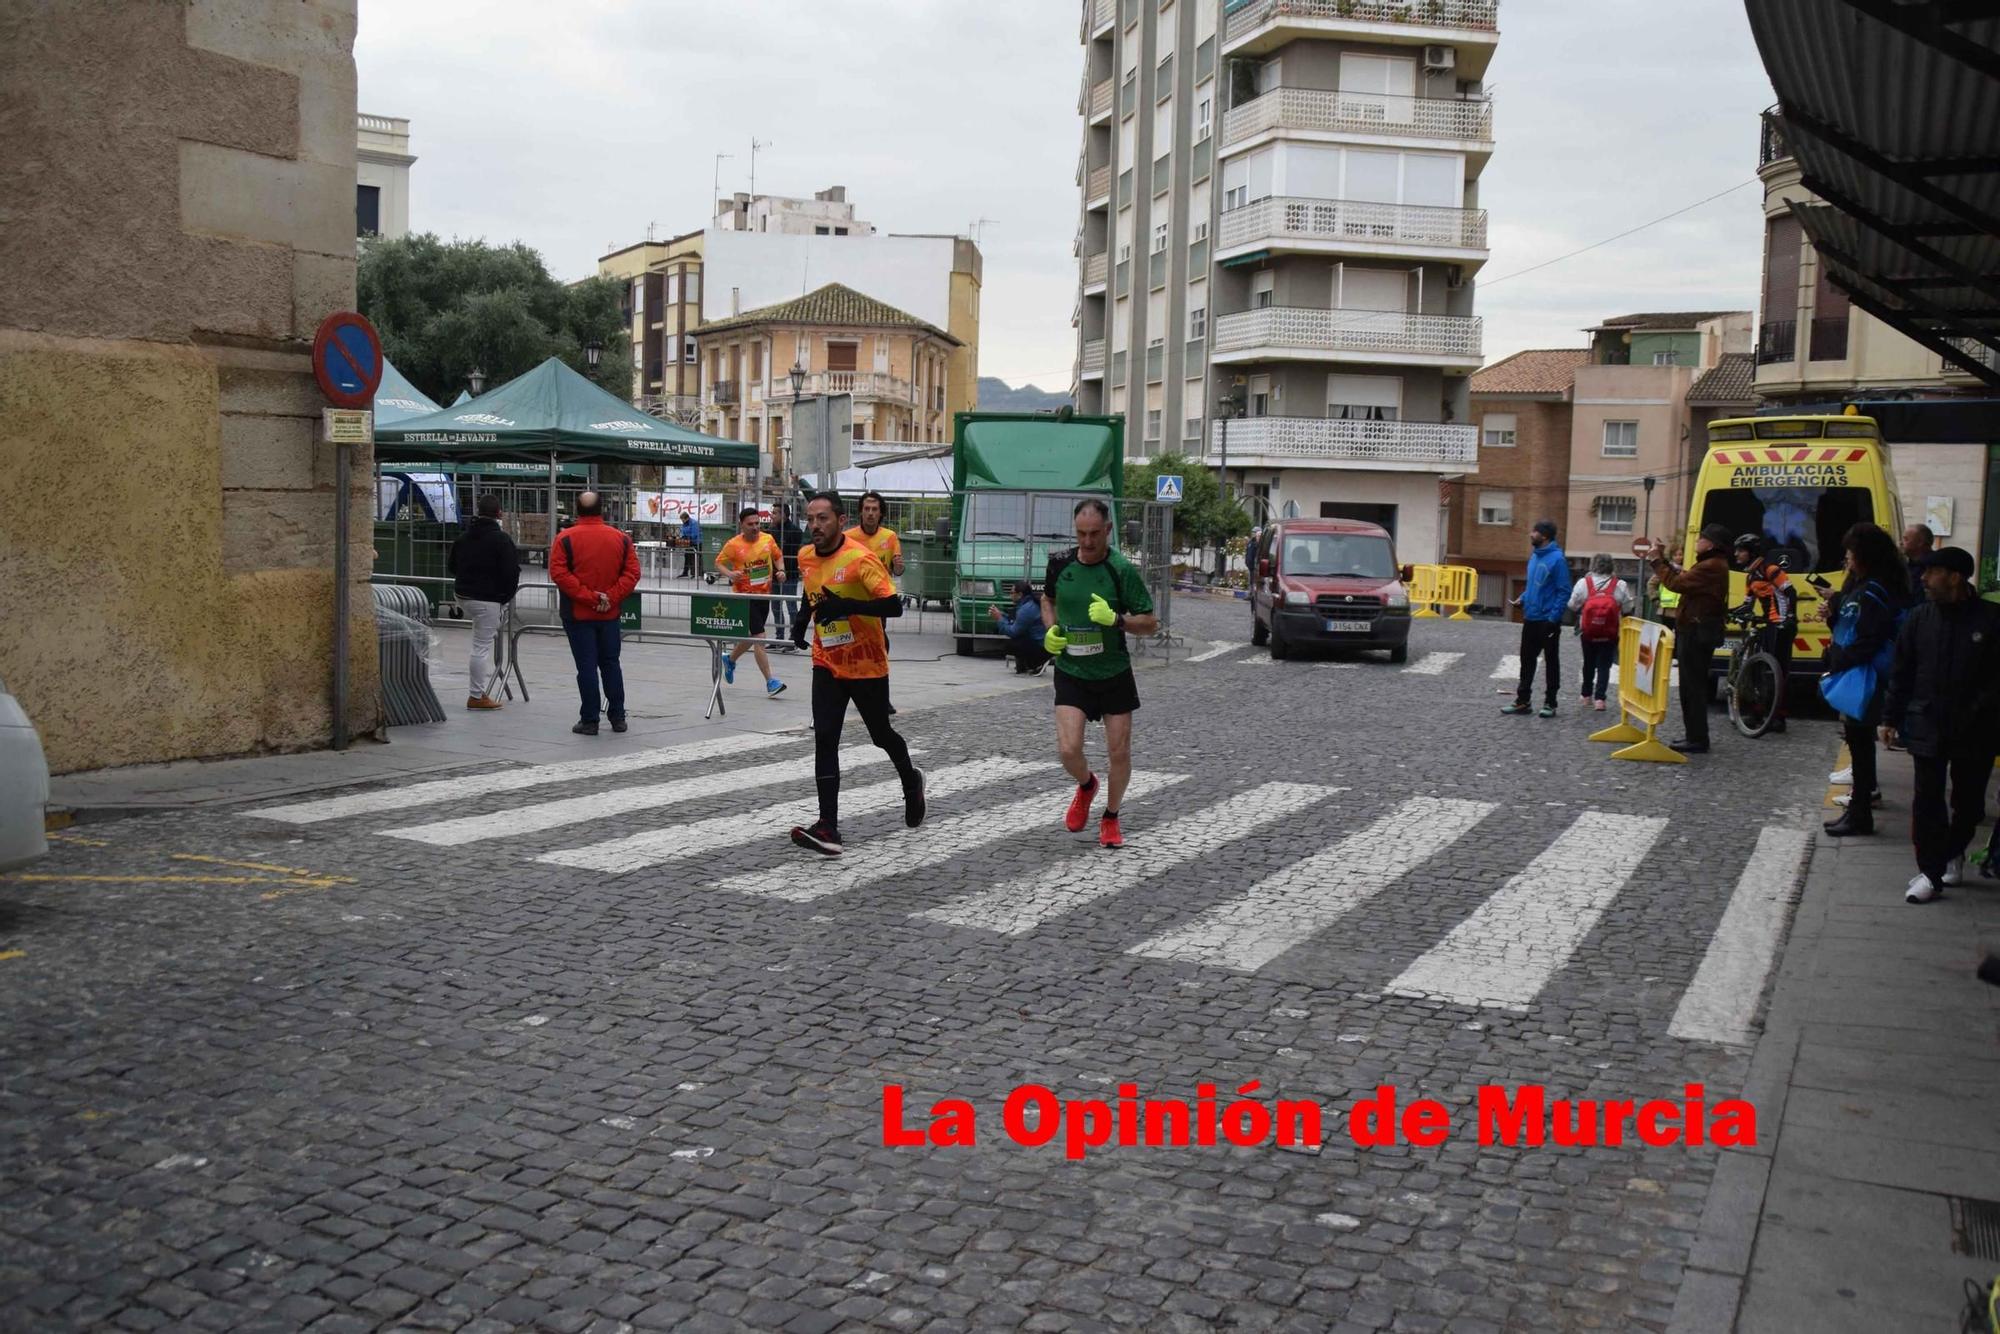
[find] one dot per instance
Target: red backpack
(1600, 617)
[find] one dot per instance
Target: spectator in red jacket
(595, 568)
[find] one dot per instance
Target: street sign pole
(347, 362)
(825, 444)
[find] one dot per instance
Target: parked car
(1329, 583)
(24, 786)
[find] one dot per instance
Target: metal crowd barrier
(403, 637)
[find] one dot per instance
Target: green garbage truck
(1016, 478)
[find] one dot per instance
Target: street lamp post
(1646, 530)
(593, 352)
(1225, 407)
(798, 375)
(476, 378)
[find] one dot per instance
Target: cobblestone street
(592, 1050)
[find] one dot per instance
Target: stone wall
(180, 187)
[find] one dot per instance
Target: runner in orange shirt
(888, 547)
(847, 595)
(753, 561)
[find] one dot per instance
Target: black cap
(1546, 528)
(1952, 558)
(1718, 536)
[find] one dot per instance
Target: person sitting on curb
(1944, 704)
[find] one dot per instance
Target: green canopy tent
(464, 396)
(397, 400)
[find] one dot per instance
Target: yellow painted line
(78, 839)
(299, 886)
(43, 879)
(259, 866)
(54, 820)
(12, 954)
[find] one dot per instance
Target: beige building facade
(663, 282)
(895, 365)
(180, 221)
(382, 176)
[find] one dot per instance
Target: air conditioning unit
(1440, 59)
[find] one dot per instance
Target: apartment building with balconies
(1308, 258)
(1816, 351)
(895, 365)
(663, 305)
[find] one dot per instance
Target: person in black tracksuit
(1944, 701)
(1873, 597)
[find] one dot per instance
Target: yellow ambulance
(1801, 482)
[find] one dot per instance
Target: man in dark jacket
(1698, 626)
(790, 538)
(1918, 540)
(1025, 629)
(486, 571)
(594, 567)
(1944, 702)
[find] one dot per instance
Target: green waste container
(929, 570)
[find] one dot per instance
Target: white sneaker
(1954, 871)
(1842, 777)
(1847, 798)
(1921, 889)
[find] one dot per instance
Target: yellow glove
(1100, 611)
(1055, 642)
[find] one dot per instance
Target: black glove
(832, 607)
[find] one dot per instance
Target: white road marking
(1509, 668)
(1505, 953)
(513, 780)
(1217, 651)
(1019, 906)
(1305, 898)
(1433, 664)
(557, 812)
(951, 838)
(704, 836)
(1720, 1005)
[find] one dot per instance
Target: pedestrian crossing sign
(1167, 488)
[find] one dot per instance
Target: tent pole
(552, 498)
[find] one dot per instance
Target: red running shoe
(1078, 814)
(1109, 835)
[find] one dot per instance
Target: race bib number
(833, 634)
(758, 576)
(1084, 643)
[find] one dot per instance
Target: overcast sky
(573, 127)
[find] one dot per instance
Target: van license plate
(1347, 627)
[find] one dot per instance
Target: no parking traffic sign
(347, 360)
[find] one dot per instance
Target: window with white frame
(1198, 322)
(1668, 358)
(1152, 425)
(1496, 507)
(688, 353)
(638, 296)
(1616, 514)
(1193, 431)
(1621, 440)
(1263, 290)
(1259, 400)
(1496, 430)
(1159, 237)
(1368, 398)
(1204, 118)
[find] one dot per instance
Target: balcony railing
(1314, 109)
(671, 407)
(1413, 445)
(724, 393)
(1771, 140)
(1778, 341)
(1100, 100)
(1471, 15)
(1099, 14)
(1294, 328)
(1099, 185)
(1096, 268)
(861, 384)
(1274, 221)
(1829, 339)
(1093, 357)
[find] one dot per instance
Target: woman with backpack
(1864, 614)
(1601, 602)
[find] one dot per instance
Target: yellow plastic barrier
(1645, 667)
(1423, 591)
(1458, 587)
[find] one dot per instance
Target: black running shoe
(819, 839)
(913, 801)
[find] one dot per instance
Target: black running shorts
(1117, 694)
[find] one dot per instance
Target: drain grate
(1975, 1227)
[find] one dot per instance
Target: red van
(1331, 583)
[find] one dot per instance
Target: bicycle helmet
(1752, 543)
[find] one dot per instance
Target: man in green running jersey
(1091, 598)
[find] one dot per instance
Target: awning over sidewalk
(1892, 110)
(552, 412)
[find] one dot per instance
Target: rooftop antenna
(755, 144)
(978, 228)
(715, 188)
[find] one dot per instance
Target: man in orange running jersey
(848, 593)
(888, 547)
(754, 563)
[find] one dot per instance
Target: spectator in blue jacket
(1024, 628)
(1542, 604)
(691, 538)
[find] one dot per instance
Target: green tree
(443, 308)
(1203, 517)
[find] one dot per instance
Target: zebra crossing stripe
(639, 851)
(1219, 648)
(1305, 898)
(1509, 668)
(1020, 905)
(513, 780)
(1721, 1003)
(1505, 953)
(554, 814)
(1433, 664)
(952, 838)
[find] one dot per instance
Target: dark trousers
(1861, 754)
(1941, 833)
(1540, 638)
(1598, 658)
(689, 559)
(594, 646)
(1777, 640)
(1696, 657)
(830, 697)
(787, 587)
(1029, 653)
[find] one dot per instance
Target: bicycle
(1753, 681)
